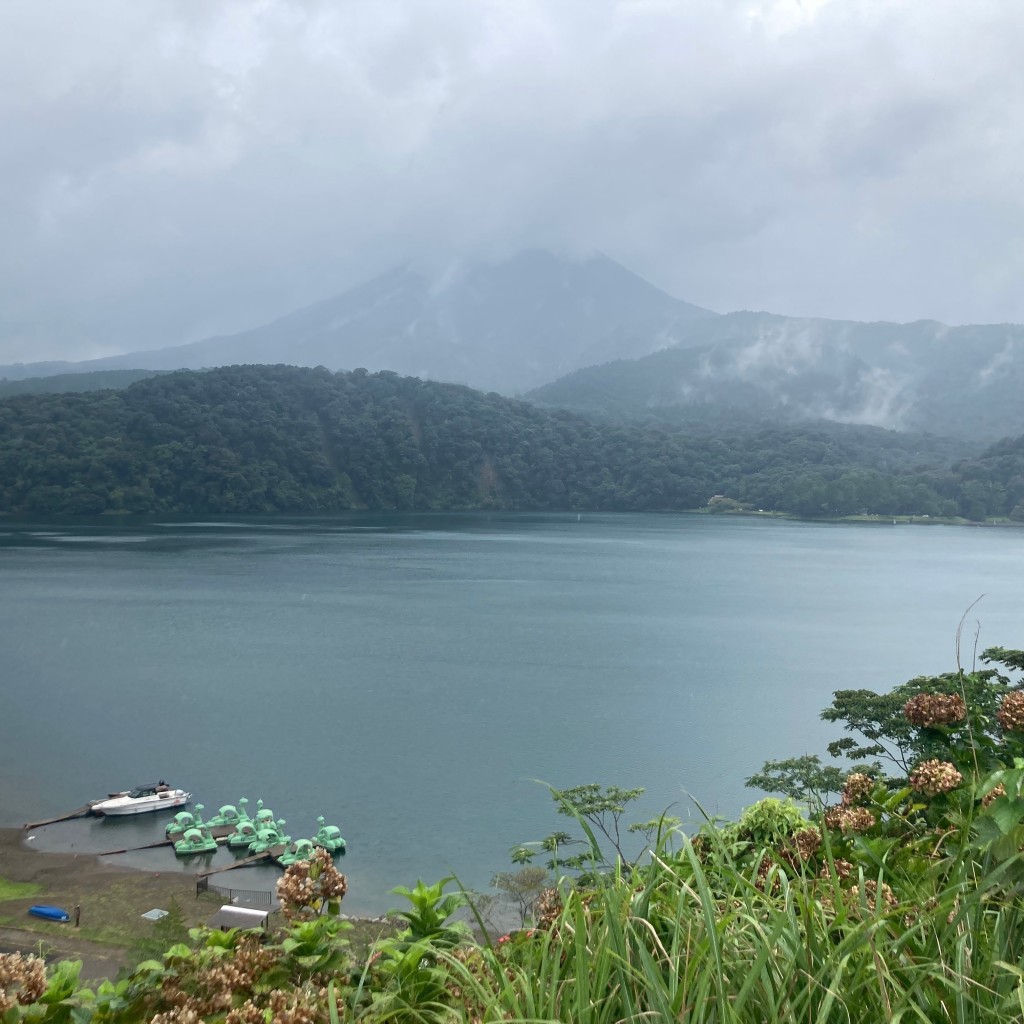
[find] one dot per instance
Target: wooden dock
(132, 849)
(256, 858)
(81, 812)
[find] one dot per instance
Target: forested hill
(275, 439)
(95, 381)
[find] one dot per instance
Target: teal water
(408, 676)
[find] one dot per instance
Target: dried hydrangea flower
(1011, 712)
(928, 710)
(858, 786)
(548, 908)
(873, 895)
(934, 777)
(307, 884)
(993, 795)
(807, 841)
(849, 819)
(22, 980)
(843, 868)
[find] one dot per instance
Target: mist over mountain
(505, 326)
(921, 377)
(591, 336)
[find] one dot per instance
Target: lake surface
(409, 676)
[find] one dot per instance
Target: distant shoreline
(898, 520)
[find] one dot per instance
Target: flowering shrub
(858, 787)
(934, 777)
(1011, 712)
(806, 842)
(927, 710)
(22, 980)
(877, 897)
(309, 887)
(849, 819)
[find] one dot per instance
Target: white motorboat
(141, 799)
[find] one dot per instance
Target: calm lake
(410, 676)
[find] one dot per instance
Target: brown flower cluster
(874, 896)
(212, 990)
(806, 842)
(993, 795)
(308, 884)
(178, 1015)
(849, 819)
(934, 777)
(843, 869)
(927, 710)
(1011, 712)
(548, 908)
(22, 980)
(858, 787)
(764, 869)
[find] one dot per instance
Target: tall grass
(685, 940)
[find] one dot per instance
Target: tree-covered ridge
(284, 439)
(94, 381)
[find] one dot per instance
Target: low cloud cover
(172, 170)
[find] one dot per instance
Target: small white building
(229, 917)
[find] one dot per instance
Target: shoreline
(112, 898)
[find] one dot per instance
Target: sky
(172, 170)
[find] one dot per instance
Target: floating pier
(81, 812)
(132, 849)
(254, 859)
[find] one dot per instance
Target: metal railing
(255, 897)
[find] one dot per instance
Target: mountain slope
(924, 376)
(506, 326)
(94, 381)
(286, 439)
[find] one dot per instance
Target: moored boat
(271, 839)
(247, 828)
(329, 837)
(243, 835)
(195, 840)
(157, 796)
(227, 815)
(182, 820)
(301, 849)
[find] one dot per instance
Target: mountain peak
(506, 325)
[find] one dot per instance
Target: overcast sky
(172, 170)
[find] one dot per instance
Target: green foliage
(800, 778)
(598, 810)
(881, 730)
(257, 439)
(522, 888)
(769, 822)
(602, 807)
(429, 912)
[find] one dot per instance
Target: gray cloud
(171, 170)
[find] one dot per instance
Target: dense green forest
(276, 439)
